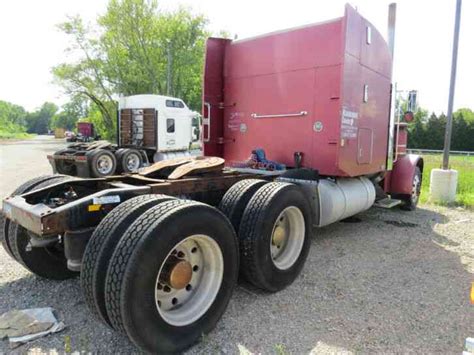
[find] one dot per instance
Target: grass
(8, 134)
(465, 167)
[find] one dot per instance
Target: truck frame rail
(82, 203)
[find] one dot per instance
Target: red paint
(320, 69)
(402, 139)
(85, 128)
(213, 93)
(401, 177)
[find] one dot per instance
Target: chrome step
(387, 202)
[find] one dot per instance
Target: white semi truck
(150, 128)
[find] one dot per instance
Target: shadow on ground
(385, 284)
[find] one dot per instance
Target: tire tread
(105, 236)
(124, 251)
(236, 199)
(248, 230)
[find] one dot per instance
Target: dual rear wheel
(161, 270)
(103, 162)
(274, 228)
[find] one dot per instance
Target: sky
(30, 43)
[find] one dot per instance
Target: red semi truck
(85, 133)
(159, 251)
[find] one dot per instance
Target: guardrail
(436, 151)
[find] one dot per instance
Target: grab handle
(206, 121)
(302, 113)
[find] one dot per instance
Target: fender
(401, 176)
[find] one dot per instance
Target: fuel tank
(342, 198)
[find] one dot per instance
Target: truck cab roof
(158, 102)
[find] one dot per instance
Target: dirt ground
(390, 281)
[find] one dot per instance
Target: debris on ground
(469, 347)
(22, 326)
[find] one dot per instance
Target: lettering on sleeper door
(349, 123)
(235, 120)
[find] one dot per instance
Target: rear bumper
(43, 220)
(28, 216)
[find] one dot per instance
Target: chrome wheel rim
(133, 162)
(105, 164)
(415, 193)
(287, 238)
(182, 298)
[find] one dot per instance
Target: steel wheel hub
(287, 238)
(180, 275)
(189, 279)
(104, 164)
(279, 236)
(133, 162)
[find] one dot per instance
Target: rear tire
(102, 163)
(138, 305)
(47, 262)
(236, 199)
(275, 236)
(23, 188)
(102, 244)
(63, 166)
(129, 160)
(410, 202)
(118, 156)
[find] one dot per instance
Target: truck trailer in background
(298, 131)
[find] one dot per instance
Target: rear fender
(401, 178)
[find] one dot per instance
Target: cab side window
(174, 103)
(170, 125)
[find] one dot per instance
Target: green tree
(466, 113)
(435, 128)
(417, 134)
(70, 113)
(39, 121)
(134, 49)
(428, 133)
(463, 130)
(12, 117)
(86, 78)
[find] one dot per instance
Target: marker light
(472, 293)
(408, 116)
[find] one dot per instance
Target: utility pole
(449, 123)
(168, 68)
(444, 182)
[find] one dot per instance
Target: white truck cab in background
(161, 123)
(150, 128)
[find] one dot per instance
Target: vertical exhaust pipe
(392, 18)
(391, 157)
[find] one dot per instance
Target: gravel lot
(392, 282)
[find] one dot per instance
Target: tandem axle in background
(150, 128)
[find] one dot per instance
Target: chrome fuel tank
(342, 198)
